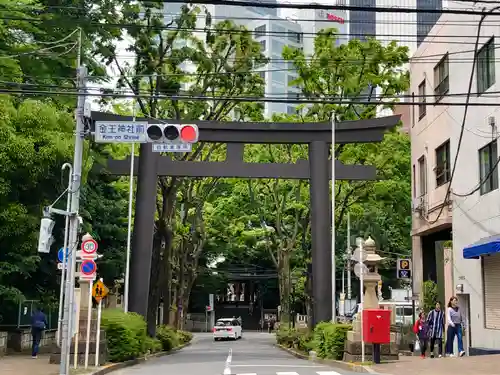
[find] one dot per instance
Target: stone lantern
(371, 277)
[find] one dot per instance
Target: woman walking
(435, 320)
(454, 321)
(421, 328)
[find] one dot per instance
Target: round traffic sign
(88, 267)
(60, 255)
(89, 246)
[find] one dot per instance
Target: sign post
(99, 291)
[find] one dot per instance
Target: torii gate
(317, 169)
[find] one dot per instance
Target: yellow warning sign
(99, 291)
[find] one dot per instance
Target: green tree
(35, 140)
(222, 66)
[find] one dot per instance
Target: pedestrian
(455, 323)
(421, 329)
(38, 325)
(435, 320)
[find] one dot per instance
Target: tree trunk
(154, 296)
(167, 282)
(284, 283)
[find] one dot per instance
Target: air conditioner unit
(418, 204)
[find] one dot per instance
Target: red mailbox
(377, 326)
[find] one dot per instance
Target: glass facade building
(425, 21)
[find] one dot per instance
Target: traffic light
(170, 133)
(45, 239)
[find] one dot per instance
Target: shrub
(153, 345)
(288, 338)
(168, 337)
(329, 340)
(125, 334)
(184, 336)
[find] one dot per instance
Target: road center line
(227, 367)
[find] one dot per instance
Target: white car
(227, 328)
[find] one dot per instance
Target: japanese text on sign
(172, 147)
(119, 131)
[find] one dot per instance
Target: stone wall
(3, 343)
(20, 341)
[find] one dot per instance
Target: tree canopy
(183, 71)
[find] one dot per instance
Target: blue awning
(485, 246)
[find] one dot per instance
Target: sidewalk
(476, 365)
(25, 365)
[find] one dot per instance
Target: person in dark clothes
(38, 325)
(421, 328)
(435, 320)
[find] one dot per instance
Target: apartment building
(456, 237)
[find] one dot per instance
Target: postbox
(377, 326)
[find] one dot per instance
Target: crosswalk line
(327, 373)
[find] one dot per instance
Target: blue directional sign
(60, 255)
(88, 267)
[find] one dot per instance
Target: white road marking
(327, 373)
(284, 366)
(287, 373)
(227, 367)
(253, 373)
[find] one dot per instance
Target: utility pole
(349, 257)
(67, 324)
(334, 285)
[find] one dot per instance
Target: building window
(291, 110)
(263, 45)
(422, 176)
(259, 31)
(488, 173)
(486, 66)
(294, 37)
(443, 164)
(422, 107)
(414, 182)
(441, 78)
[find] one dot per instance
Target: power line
(287, 95)
(245, 99)
(412, 38)
(240, 3)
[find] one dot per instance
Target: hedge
(127, 338)
(327, 340)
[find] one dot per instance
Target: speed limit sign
(89, 247)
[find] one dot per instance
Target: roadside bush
(168, 337)
(184, 336)
(125, 335)
(153, 345)
(288, 338)
(329, 340)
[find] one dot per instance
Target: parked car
(227, 328)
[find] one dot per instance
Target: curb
(121, 365)
(341, 365)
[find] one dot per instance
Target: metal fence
(19, 315)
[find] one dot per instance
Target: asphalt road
(254, 354)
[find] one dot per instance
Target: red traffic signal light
(172, 133)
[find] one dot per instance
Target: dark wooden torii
(317, 169)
